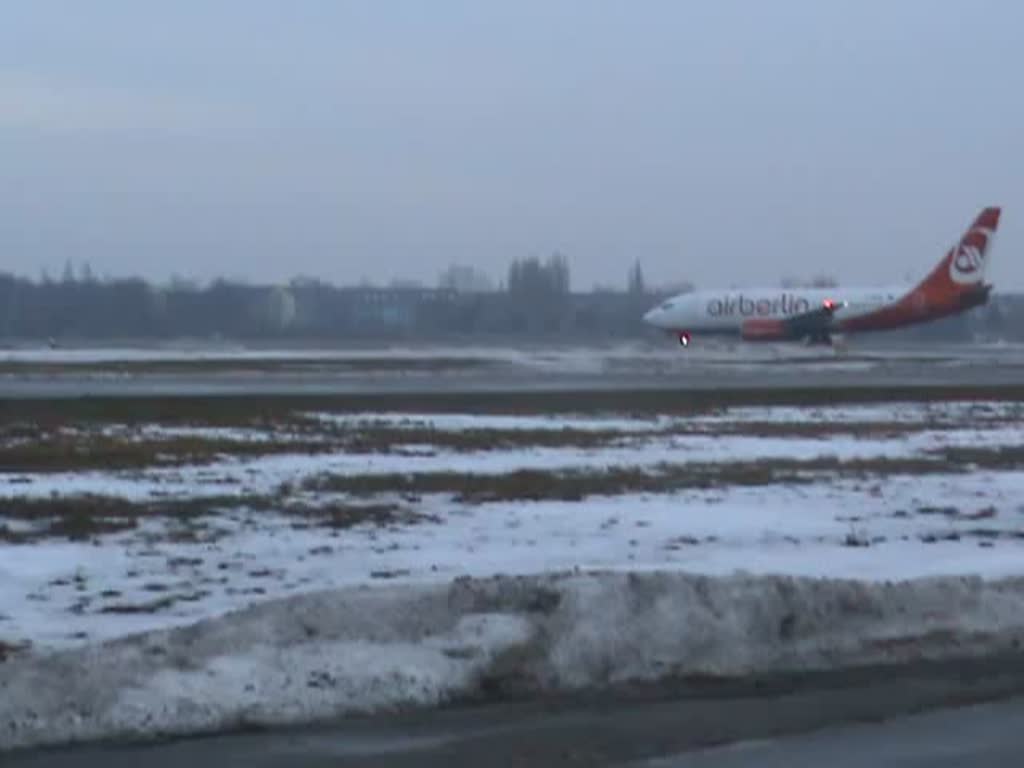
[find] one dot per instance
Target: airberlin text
(744, 306)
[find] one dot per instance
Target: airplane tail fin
(961, 273)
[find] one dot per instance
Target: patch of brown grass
(382, 439)
(1003, 457)
(339, 515)
(235, 410)
(81, 518)
(84, 517)
(82, 526)
(10, 536)
(71, 452)
(8, 649)
(81, 446)
(575, 485)
(824, 429)
(151, 606)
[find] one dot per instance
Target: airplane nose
(656, 316)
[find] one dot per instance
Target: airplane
(827, 315)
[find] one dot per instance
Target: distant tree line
(534, 278)
(536, 300)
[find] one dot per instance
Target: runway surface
(135, 373)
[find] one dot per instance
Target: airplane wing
(816, 325)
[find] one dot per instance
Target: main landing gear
(837, 342)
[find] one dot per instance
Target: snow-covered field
(863, 491)
(331, 563)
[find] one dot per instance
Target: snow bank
(362, 650)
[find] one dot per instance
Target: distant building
(391, 309)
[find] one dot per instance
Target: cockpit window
(667, 305)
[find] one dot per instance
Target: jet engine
(764, 329)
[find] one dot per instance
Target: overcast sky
(725, 142)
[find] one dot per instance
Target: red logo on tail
(967, 261)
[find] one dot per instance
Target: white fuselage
(724, 312)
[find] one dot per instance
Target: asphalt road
(781, 722)
(981, 736)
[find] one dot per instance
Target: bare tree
(636, 284)
(465, 279)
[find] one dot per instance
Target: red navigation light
(684, 339)
(829, 304)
